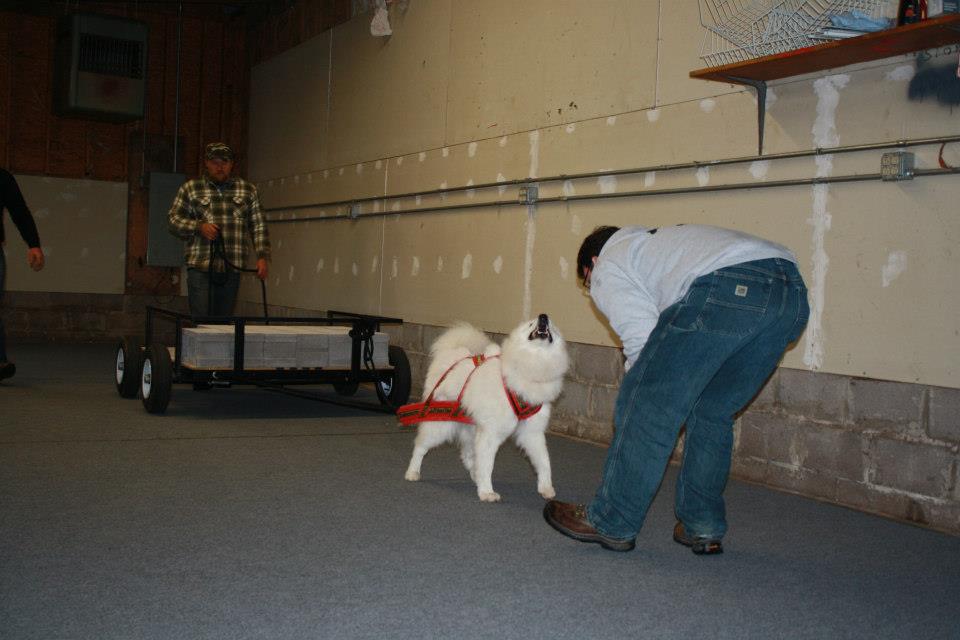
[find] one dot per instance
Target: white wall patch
(571, 127)
(471, 192)
(319, 265)
(607, 184)
(564, 268)
(500, 178)
(707, 105)
(825, 135)
(336, 264)
(498, 265)
(445, 152)
(399, 160)
(472, 149)
(568, 189)
(290, 274)
(902, 73)
(467, 267)
(703, 176)
(503, 141)
(355, 269)
(649, 179)
(415, 266)
(394, 270)
(896, 264)
(395, 206)
(611, 120)
(422, 156)
(534, 154)
(653, 115)
(439, 263)
(359, 169)
(374, 264)
(528, 259)
(759, 169)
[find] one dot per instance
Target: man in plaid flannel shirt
(218, 205)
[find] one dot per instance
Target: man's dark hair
(591, 247)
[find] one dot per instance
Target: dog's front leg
(530, 438)
(485, 451)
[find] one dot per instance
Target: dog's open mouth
(542, 330)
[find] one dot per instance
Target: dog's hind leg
(467, 451)
(488, 441)
(429, 435)
(531, 439)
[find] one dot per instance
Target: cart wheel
(346, 388)
(156, 378)
(129, 357)
(396, 391)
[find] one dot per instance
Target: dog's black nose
(542, 332)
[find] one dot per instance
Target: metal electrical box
(163, 248)
(100, 67)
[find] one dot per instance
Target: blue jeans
(708, 356)
(218, 302)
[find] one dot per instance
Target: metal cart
(149, 368)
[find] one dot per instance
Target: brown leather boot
(571, 520)
(700, 545)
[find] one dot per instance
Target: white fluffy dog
(531, 363)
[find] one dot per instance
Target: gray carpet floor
(247, 514)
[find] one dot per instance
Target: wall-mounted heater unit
(101, 67)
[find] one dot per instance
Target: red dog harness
(431, 410)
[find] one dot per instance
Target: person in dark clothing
(12, 200)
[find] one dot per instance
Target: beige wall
(83, 232)
(467, 93)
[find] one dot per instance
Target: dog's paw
(489, 496)
(412, 476)
(547, 492)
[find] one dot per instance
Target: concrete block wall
(78, 317)
(887, 448)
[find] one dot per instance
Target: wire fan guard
(739, 30)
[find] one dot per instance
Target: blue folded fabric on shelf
(860, 21)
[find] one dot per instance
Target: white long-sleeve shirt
(638, 274)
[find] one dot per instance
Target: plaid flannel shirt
(233, 206)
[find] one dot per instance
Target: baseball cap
(219, 150)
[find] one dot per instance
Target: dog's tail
(461, 335)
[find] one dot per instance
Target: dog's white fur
(533, 369)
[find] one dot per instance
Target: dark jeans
(3, 286)
(708, 356)
(216, 298)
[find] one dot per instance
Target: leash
(219, 252)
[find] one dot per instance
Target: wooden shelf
(928, 34)
(936, 32)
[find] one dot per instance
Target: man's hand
(262, 268)
(209, 231)
(35, 258)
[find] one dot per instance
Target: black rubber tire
(155, 392)
(346, 388)
(396, 393)
(127, 366)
